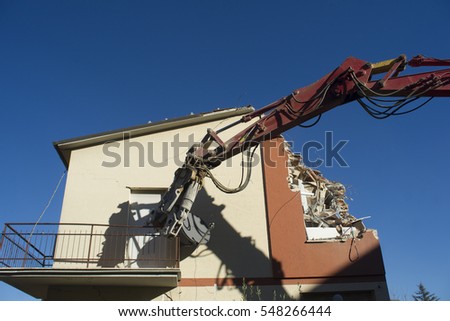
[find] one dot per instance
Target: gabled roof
(65, 147)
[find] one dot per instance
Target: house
(288, 234)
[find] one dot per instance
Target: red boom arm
(352, 80)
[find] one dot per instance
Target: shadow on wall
(113, 250)
(240, 258)
(129, 243)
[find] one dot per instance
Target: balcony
(68, 261)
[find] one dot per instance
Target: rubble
(324, 201)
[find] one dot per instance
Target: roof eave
(65, 147)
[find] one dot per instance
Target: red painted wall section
(292, 256)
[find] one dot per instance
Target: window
(147, 248)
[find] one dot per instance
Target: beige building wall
(99, 194)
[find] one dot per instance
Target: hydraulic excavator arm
(352, 80)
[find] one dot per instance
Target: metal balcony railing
(67, 245)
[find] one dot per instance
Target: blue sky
(70, 68)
